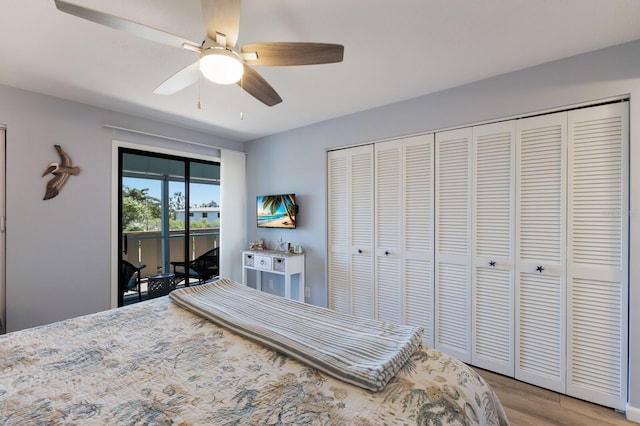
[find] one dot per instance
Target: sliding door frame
(115, 197)
(3, 250)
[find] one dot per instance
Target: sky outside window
(200, 193)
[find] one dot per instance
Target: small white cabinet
(275, 262)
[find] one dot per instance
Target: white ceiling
(394, 50)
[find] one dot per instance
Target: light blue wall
(59, 251)
(295, 161)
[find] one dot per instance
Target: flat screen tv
(277, 211)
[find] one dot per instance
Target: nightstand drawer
(262, 262)
(279, 264)
(249, 260)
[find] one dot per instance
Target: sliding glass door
(169, 215)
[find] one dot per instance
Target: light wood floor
(530, 405)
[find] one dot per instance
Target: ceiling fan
(220, 61)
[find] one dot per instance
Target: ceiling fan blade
(180, 80)
(222, 16)
(126, 25)
(256, 86)
(290, 53)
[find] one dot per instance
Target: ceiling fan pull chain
(241, 98)
(199, 96)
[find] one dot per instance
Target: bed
(161, 362)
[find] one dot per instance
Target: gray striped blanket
(366, 353)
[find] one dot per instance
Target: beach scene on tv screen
(276, 211)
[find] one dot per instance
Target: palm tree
(176, 202)
(138, 208)
(274, 202)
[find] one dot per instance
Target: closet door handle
(492, 263)
(539, 268)
(386, 252)
(360, 251)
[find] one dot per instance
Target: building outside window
(196, 214)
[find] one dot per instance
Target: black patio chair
(203, 268)
(130, 278)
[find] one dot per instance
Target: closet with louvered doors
(493, 287)
(404, 232)
(572, 252)
(475, 174)
(527, 270)
(350, 211)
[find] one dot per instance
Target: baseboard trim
(633, 414)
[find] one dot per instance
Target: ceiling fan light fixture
(221, 66)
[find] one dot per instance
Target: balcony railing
(146, 247)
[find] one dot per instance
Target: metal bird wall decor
(61, 172)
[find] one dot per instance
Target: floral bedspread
(155, 363)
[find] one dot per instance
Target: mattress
(157, 363)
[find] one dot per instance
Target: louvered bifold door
(453, 243)
(338, 182)
(350, 230)
(540, 251)
(493, 285)
(597, 248)
(361, 237)
(417, 241)
(388, 198)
